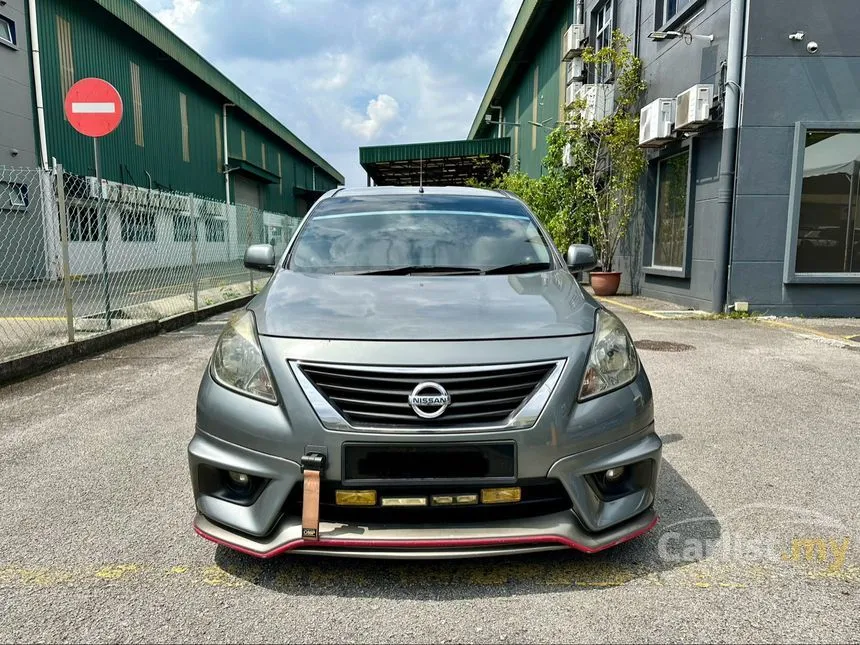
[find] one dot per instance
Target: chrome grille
(379, 396)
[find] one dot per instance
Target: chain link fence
(80, 257)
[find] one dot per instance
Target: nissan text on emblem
(429, 400)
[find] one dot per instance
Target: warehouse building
(753, 108)
(186, 128)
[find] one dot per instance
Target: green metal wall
(543, 52)
(104, 47)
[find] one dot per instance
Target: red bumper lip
(427, 544)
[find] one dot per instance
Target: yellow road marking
(638, 310)
(191, 284)
(293, 573)
(805, 330)
(773, 323)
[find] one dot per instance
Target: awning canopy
(253, 171)
(837, 154)
(441, 163)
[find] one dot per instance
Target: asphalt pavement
(759, 539)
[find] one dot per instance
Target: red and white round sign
(93, 107)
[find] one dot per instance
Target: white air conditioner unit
(693, 107)
(570, 93)
(571, 44)
(567, 156)
(655, 123)
(599, 100)
(575, 70)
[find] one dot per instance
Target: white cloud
(330, 69)
(180, 18)
(381, 111)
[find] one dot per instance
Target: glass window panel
(828, 239)
(671, 219)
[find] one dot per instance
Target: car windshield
(400, 235)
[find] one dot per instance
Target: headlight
(612, 362)
(237, 362)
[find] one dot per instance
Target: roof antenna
(421, 171)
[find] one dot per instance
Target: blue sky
(345, 73)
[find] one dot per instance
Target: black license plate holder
(405, 462)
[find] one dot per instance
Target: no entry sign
(93, 107)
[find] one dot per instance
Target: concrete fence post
(192, 216)
(64, 245)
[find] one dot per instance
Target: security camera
(487, 118)
(812, 47)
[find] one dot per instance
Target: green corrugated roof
(524, 18)
(150, 28)
(434, 150)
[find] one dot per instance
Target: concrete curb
(39, 362)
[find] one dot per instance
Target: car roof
(463, 191)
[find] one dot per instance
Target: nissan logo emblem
(429, 400)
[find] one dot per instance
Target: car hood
(344, 307)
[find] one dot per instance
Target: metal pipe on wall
(725, 199)
(37, 83)
(226, 156)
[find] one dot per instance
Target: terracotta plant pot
(605, 283)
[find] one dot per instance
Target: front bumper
(569, 443)
(545, 533)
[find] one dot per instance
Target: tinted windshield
(358, 235)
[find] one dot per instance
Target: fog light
(613, 474)
(240, 479)
(466, 499)
(355, 497)
(500, 495)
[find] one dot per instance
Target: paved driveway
(759, 538)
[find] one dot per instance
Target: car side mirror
(581, 257)
(260, 257)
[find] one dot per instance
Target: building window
(183, 116)
(668, 11)
(602, 17)
(215, 230)
(8, 35)
(670, 225)
(84, 224)
(67, 62)
(828, 226)
(280, 176)
(182, 228)
(137, 226)
(244, 148)
(137, 104)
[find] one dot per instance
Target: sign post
(93, 107)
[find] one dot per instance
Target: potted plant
(587, 188)
(602, 158)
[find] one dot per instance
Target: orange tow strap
(312, 466)
(311, 506)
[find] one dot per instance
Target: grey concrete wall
(785, 84)
(669, 68)
(22, 255)
(17, 128)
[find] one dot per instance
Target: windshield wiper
(518, 267)
(421, 268)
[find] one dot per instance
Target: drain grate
(662, 346)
